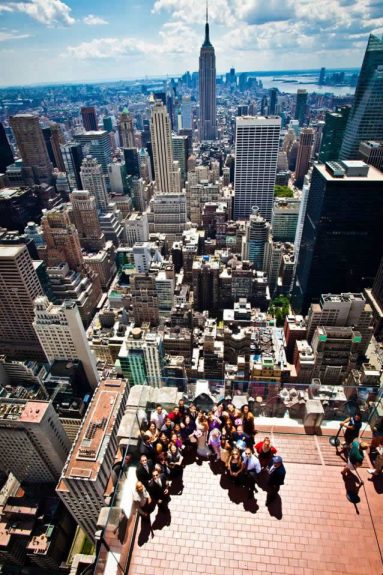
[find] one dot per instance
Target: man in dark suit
(144, 470)
(158, 489)
(277, 474)
(146, 447)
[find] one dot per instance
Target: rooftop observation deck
(311, 529)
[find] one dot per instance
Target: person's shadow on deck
(275, 507)
(162, 519)
(146, 531)
(377, 480)
(352, 485)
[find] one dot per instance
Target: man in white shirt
(252, 468)
(158, 416)
(142, 500)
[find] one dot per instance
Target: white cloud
(193, 11)
(92, 20)
(48, 12)
(175, 39)
(261, 11)
(178, 38)
(102, 48)
(13, 35)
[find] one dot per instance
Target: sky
(96, 40)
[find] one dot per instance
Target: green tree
(279, 308)
(283, 192)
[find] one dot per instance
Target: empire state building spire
(207, 39)
(207, 78)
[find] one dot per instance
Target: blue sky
(87, 40)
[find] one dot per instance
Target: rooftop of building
(373, 143)
(11, 193)
(40, 542)
(86, 456)
(343, 297)
(258, 119)
(92, 133)
(10, 251)
(372, 175)
(209, 261)
(27, 411)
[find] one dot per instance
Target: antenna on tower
(207, 39)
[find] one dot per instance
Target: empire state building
(207, 102)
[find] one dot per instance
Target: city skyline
(68, 43)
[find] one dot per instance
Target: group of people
(224, 434)
(356, 449)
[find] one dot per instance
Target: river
(303, 82)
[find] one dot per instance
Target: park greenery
(279, 308)
(283, 192)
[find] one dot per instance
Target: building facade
(256, 154)
(365, 121)
(341, 243)
(33, 443)
(19, 286)
(62, 335)
(31, 144)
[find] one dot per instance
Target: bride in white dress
(201, 434)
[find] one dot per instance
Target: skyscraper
(53, 138)
(145, 299)
(72, 157)
(30, 142)
(371, 152)
(306, 140)
(19, 286)
(61, 238)
(126, 130)
(345, 310)
(365, 121)
(333, 132)
(62, 335)
(300, 108)
(6, 155)
(96, 144)
(33, 442)
(132, 162)
(273, 100)
(257, 141)
(342, 241)
(107, 123)
(167, 215)
(207, 79)
(205, 274)
(93, 180)
(86, 473)
(89, 118)
(86, 220)
(167, 174)
(258, 232)
(141, 357)
(180, 154)
(285, 219)
(186, 113)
